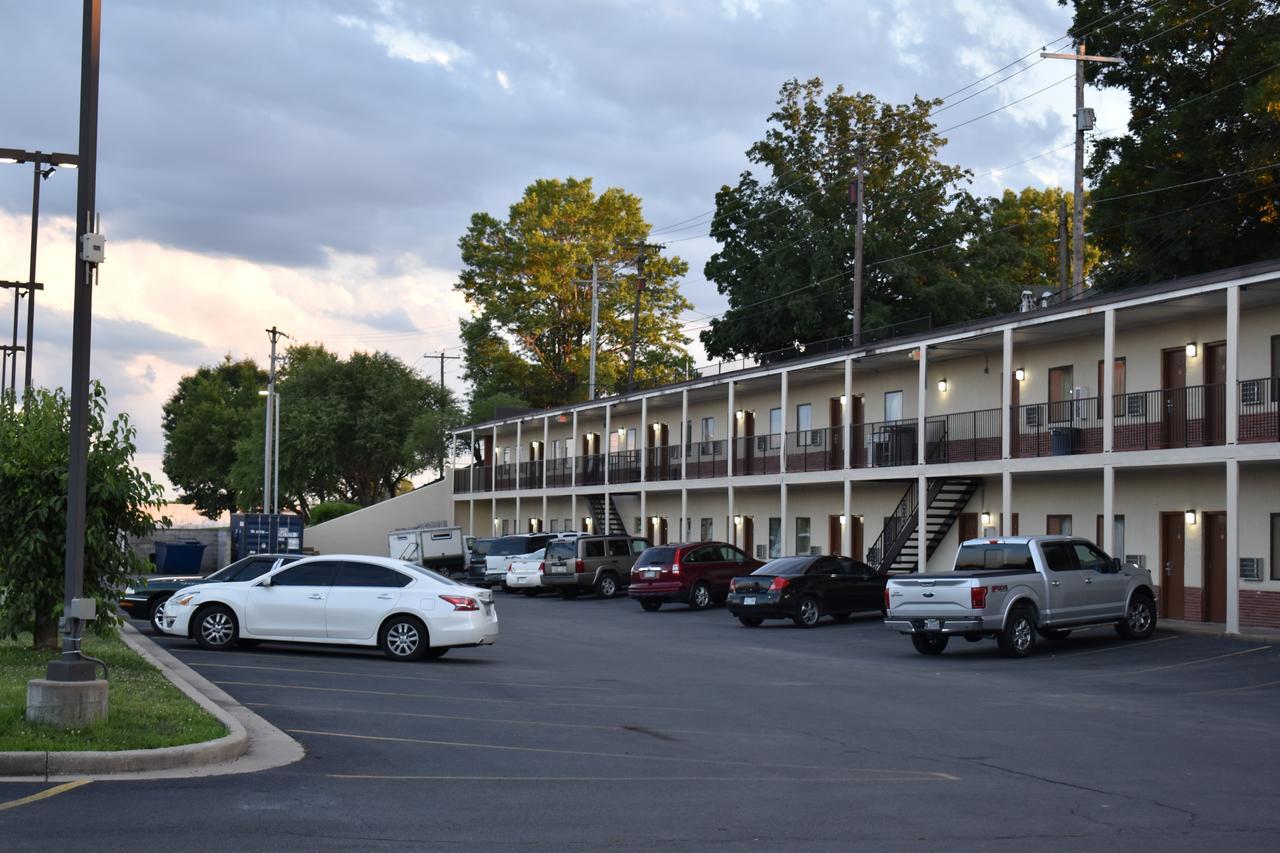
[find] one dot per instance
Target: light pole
(271, 447)
(43, 165)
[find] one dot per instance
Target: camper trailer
(442, 549)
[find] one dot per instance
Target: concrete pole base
(66, 704)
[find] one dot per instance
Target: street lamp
(43, 165)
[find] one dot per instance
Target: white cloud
(503, 80)
(402, 42)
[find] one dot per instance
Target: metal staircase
(898, 547)
(612, 523)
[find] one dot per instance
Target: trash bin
(1063, 440)
(174, 558)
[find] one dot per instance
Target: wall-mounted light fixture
(1190, 516)
(739, 414)
(843, 400)
(587, 523)
(737, 519)
(655, 519)
(1191, 349)
(986, 519)
(942, 384)
(843, 519)
(1020, 374)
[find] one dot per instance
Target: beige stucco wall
(365, 531)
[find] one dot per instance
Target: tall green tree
(787, 235)
(350, 429)
(34, 457)
(1204, 92)
(527, 280)
(207, 414)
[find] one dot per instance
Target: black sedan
(804, 589)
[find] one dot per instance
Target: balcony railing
(707, 459)
(559, 473)
(1059, 428)
(504, 477)
(591, 470)
(531, 474)
(624, 466)
(965, 436)
(886, 444)
(815, 450)
(663, 463)
(757, 454)
(1194, 416)
(1259, 411)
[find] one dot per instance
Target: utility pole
(635, 313)
(1064, 265)
(857, 188)
(441, 355)
(1084, 121)
(268, 499)
(595, 326)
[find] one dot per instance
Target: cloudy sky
(311, 163)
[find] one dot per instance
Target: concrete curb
(1209, 629)
(251, 743)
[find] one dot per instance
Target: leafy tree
(1204, 89)
(350, 429)
(787, 237)
(527, 279)
(1014, 246)
(329, 510)
(486, 408)
(207, 414)
(34, 458)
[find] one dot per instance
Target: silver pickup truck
(1014, 588)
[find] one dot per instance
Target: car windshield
(481, 547)
(433, 575)
(656, 557)
(536, 555)
(994, 555)
(509, 546)
(786, 567)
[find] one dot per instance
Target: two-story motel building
(1145, 419)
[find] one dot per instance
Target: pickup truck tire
(700, 596)
(1139, 619)
(1019, 635)
(751, 621)
(929, 644)
(1055, 633)
(807, 612)
(650, 606)
(607, 586)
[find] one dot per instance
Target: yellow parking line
(45, 794)
(914, 774)
(456, 698)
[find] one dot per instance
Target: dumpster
(1063, 440)
(179, 558)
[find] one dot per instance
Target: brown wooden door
(1215, 393)
(858, 457)
(835, 538)
(968, 526)
(1171, 569)
(1214, 592)
(835, 451)
(747, 458)
(857, 545)
(749, 535)
(1173, 384)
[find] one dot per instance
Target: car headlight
(183, 599)
(128, 590)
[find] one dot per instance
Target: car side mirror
(1117, 564)
(266, 581)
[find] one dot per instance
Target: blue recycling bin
(1063, 440)
(174, 558)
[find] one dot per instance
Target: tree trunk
(45, 629)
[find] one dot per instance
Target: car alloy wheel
(608, 587)
(807, 614)
(403, 639)
(217, 628)
(157, 616)
(700, 596)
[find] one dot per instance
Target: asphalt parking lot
(593, 724)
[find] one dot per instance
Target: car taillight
(461, 602)
(978, 597)
(542, 568)
(733, 585)
(675, 568)
(579, 566)
(777, 584)
(886, 598)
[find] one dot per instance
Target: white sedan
(408, 611)
(525, 573)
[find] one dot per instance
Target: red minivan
(697, 574)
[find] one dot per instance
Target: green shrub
(328, 511)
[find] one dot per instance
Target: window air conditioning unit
(815, 551)
(1251, 568)
(760, 552)
(1080, 402)
(1139, 560)
(1135, 405)
(1033, 416)
(1251, 393)
(762, 443)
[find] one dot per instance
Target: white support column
(608, 436)
(1231, 393)
(782, 440)
(644, 514)
(1006, 395)
(642, 438)
(493, 449)
(684, 452)
(519, 451)
(788, 534)
(730, 443)
(922, 389)
(846, 431)
(574, 443)
(546, 440)
(1006, 503)
(573, 510)
(733, 527)
(546, 523)
(846, 523)
(453, 479)
(471, 530)
(1108, 542)
(922, 523)
(521, 525)
(1108, 392)
(684, 512)
(494, 516)
(1233, 534)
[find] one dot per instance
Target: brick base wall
(1192, 608)
(1260, 608)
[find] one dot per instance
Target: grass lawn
(144, 709)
